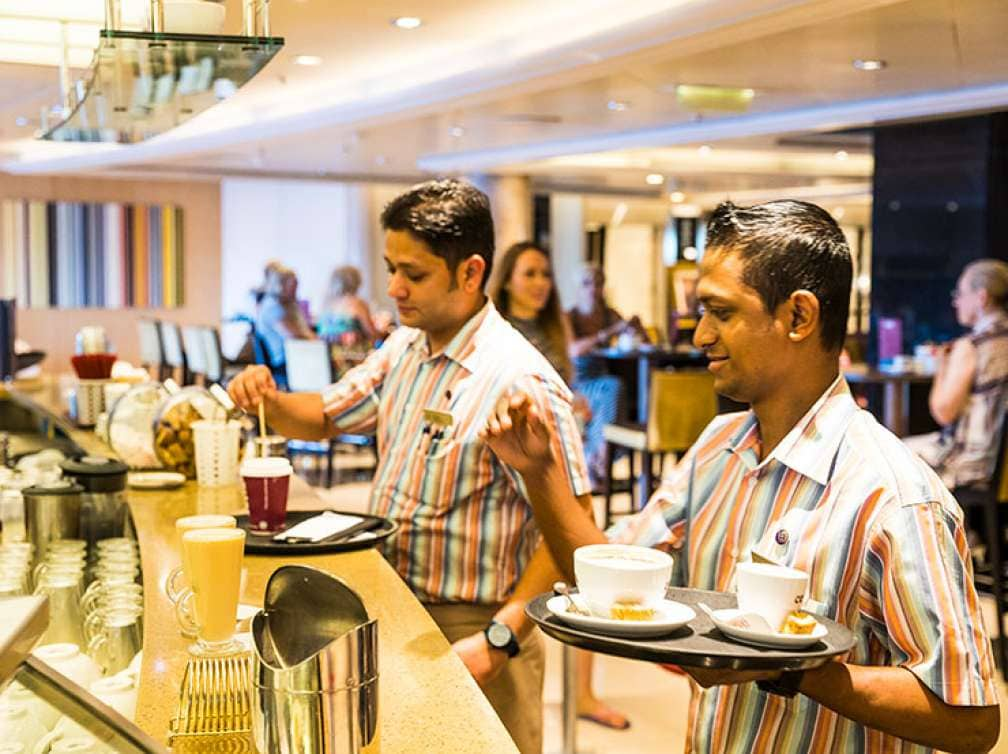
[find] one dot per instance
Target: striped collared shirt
(466, 528)
(881, 538)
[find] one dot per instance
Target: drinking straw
(262, 419)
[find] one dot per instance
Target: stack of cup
(61, 576)
(15, 568)
(112, 606)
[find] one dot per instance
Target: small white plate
(671, 615)
(246, 611)
(155, 480)
(758, 638)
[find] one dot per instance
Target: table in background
(647, 359)
(896, 393)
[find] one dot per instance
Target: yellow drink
(215, 562)
(191, 523)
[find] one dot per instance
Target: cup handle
(94, 648)
(184, 613)
(92, 627)
(172, 587)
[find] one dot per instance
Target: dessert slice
(798, 622)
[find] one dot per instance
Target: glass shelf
(141, 84)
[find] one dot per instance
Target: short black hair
(788, 246)
(452, 217)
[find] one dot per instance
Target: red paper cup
(267, 481)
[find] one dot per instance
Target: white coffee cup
(770, 590)
(77, 745)
(119, 692)
(608, 574)
(18, 725)
(66, 729)
(68, 660)
(42, 711)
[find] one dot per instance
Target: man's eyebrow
(402, 265)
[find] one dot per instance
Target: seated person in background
(808, 480)
(969, 394)
(346, 317)
(593, 325)
(278, 316)
(524, 293)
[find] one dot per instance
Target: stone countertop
(427, 699)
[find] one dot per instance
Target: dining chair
(309, 369)
(174, 354)
(993, 501)
(680, 404)
(151, 350)
(195, 353)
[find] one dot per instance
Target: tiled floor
(655, 701)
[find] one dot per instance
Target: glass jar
(130, 425)
(174, 444)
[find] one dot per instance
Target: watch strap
(787, 685)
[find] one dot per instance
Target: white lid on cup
(266, 467)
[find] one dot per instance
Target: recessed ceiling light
(407, 22)
(456, 131)
(869, 64)
(677, 197)
(655, 179)
(617, 106)
(308, 60)
(841, 155)
(703, 150)
(21, 121)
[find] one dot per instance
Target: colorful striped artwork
(72, 255)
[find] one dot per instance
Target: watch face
(499, 635)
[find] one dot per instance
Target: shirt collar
(990, 321)
(463, 346)
(811, 445)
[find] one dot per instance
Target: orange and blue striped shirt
(881, 538)
(466, 527)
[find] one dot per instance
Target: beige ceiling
(523, 86)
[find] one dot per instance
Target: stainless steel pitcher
(52, 511)
(315, 667)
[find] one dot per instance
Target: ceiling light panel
(407, 22)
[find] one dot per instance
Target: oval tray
(698, 643)
(256, 544)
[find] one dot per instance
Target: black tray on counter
(698, 643)
(258, 544)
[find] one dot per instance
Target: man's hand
(483, 661)
(251, 386)
(708, 677)
(516, 433)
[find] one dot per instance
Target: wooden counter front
(428, 702)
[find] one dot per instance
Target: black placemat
(258, 544)
(697, 644)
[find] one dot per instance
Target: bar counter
(428, 702)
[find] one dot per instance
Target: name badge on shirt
(438, 418)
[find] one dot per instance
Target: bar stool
(680, 405)
(151, 350)
(195, 353)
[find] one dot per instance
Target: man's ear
(471, 273)
(803, 315)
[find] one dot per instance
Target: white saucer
(764, 638)
(155, 480)
(672, 615)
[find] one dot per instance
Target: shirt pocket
(780, 539)
(438, 470)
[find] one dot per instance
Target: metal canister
(315, 667)
(52, 511)
(103, 501)
(4, 449)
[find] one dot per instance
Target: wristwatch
(787, 685)
(500, 636)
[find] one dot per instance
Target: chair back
(151, 352)
(214, 354)
(309, 368)
(195, 349)
(680, 405)
(171, 341)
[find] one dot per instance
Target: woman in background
(278, 316)
(346, 317)
(524, 294)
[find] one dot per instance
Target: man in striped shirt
(808, 480)
(467, 544)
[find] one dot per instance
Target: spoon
(561, 588)
(749, 621)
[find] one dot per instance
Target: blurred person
(523, 291)
(593, 325)
(279, 317)
(810, 481)
(467, 544)
(969, 394)
(346, 317)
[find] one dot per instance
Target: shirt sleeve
(917, 594)
(351, 404)
(554, 403)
